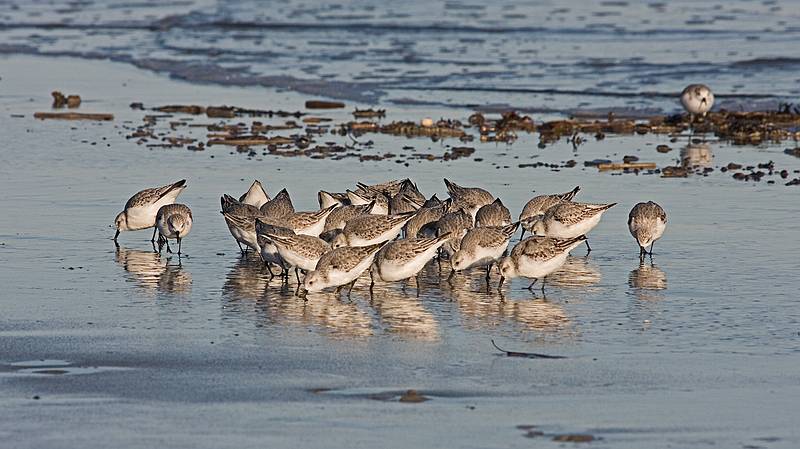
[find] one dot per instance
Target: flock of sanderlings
(361, 229)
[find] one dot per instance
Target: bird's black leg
(651, 247)
(352, 284)
(240, 246)
(588, 248)
(115, 238)
(530, 287)
(544, 279)
(179, 245)
(153, 239)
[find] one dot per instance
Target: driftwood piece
(73, 116)
(627, 166)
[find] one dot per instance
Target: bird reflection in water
(648, 281)
(577, 272)
(153, 273)
(697, 155)
(402, 313)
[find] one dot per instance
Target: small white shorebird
(300, 251)
(328, 199)
(647, 222)
(173, 221)
(341, 215)
(403, 259)
(371, 229)
(538, 205)
(241, 221)
(308, 222)
(493, 214)
(456, 224)
(141, 209)
(697, 99)
(340, 266)
(537, 257)
(268, 249)
(429, 214)
(255, 195)
(569, 220)
(468, 198)
(381, 206)
(482, 247)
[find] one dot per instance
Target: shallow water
(545, 56)
(697, 347)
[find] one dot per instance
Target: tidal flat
(103, 347)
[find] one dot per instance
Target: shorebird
(403, 259)
(430, 212)
(255, 195)
(407, 199)
(371, 229)
(493, 214)
(482, 246)
(456, 224)
(278, 207)
(241, 221)
(141, 209)
(381, 206)
(308, 223)
(697, 99)
(267, 248)
(300, 251)
(328, 199)
(538, 205)
(340, 266)
(173, 221)
(468, 198)
(647, 222)
(537, 257)
(568, 220)
(341, 215)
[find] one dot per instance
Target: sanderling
(174, 221)
(308, 223)
(255, 195)
(647, 222)
(141, 209)
(267, 248)
(468, 198)
(278, 207)
(328, 199)
(340, 266)
(407, 199)
(403, 259)
(567, 220)
(482, 247)
(536, 257)
(697, 99)
(341, 215)
(429, 213)
(300, 251)
(370, 229)
(538, 205)
(494, 214)
(456, 224)
(241, 221)
(388, 188)
(381, 206)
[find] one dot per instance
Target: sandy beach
(122, 347)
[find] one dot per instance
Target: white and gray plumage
(468, 198)
(255, 195)
(482, 246)
(141, 209)
(426, 215)
(647, 222)
(340, 266)
(697, 99)
(278, 207)
(310, 222)
(267, 248)
(301, 251)
(174, 221)
(456, 224)
(568, 220)
(241, 221)
(538, 205)
(403, 259)
(381, 206)
(341, 215)
(328, 199)
(407, 199)
(388, 188)
(493, 214)
(370, 229)
(536, 257)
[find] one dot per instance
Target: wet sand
(698, 347)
